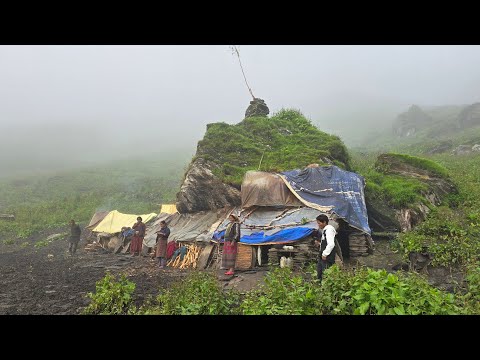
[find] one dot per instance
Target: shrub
(368, 291)
(282, 294)
(111, 297)
(198, 294)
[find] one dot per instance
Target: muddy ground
(46, 280)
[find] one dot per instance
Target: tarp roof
(329, 187)
(264, 225)
(266, 189)
(187, 227)
(114, 221)
(96, 218)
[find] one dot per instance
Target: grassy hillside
(452, 231)
(282, 142)
(135, 186)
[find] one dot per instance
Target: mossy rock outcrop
(285, 141)
(404, 190)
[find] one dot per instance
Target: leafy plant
(368, 291)
(282, 294)
(111, 297)
(198, 294)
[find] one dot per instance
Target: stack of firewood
(358, 244)
(189, 260)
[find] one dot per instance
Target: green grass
(286, 141)
(452, 233)
(421, 163)
(397, 191)
(135, 186)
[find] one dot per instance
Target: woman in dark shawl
(232, 237)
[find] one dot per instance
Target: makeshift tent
(168, 209)
(114, 221)
(267, 225)
(331, 187)
(269, 214)
(96, 218)
(187, 227)
(266, 189)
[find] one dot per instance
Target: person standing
(232, 237)
(74, 237)
(162, 240)
(326, 257)
(137, 240)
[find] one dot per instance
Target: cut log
(7, 216)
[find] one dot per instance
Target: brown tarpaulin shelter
(266, 189)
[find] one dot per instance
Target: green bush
(8, 242)
(283, 294)
(111, 297)
(198, 294)
(369, 292)
(450, 237)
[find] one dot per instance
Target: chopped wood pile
(358, 244)
(189, 260)
(301, 254)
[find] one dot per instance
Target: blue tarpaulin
(282, 236)
(330, 186)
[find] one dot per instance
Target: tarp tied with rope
(267, 225)
(331, 187)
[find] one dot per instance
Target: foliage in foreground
(370, 292)
(283, 294)
(347, 292)
(112, 297)
(198, 294)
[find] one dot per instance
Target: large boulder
(387, 218)
(203, 190)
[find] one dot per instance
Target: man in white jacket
(326, 257)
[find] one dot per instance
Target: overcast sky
(150, 97)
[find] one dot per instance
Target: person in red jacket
(137, 240)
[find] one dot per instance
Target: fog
(70, 106)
